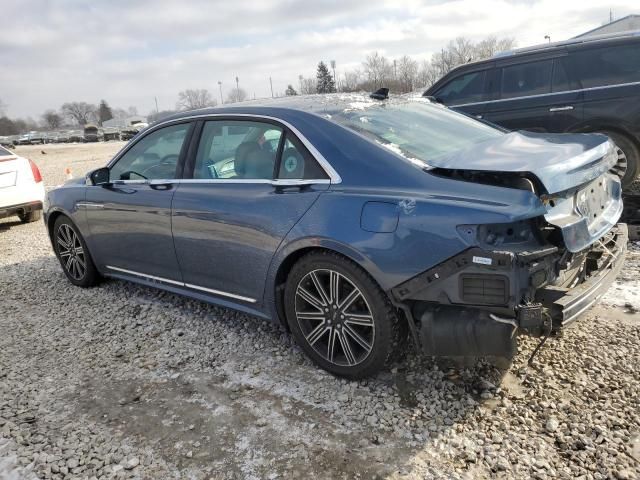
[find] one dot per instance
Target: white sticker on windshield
(482, 260)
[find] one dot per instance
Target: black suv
(580, 85)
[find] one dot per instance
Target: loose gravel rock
(123, 381)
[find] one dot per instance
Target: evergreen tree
(326, 84)
(290, 91)
(104, 112)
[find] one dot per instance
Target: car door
(130, 218)
(231, 216)
(468, 92)
(529, 100)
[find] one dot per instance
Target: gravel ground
(122, 381)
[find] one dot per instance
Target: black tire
(32, 216)
(630, 154)
(313, 329)
(73, 254)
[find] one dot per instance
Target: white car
(21, 187)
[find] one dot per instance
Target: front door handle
(561, 109)
(479, 116)
(161, 185)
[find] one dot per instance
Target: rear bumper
(566, 305)
(22, 209)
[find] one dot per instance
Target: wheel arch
(605, 125)
(291, 255)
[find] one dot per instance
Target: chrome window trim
(546, 94)
(324, 163)
(182, 284)
(278, 182)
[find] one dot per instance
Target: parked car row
(90, 133)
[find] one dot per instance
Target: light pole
(547, 38)
(300, 80)
(270, 83)
(220, 86)
(237, 87)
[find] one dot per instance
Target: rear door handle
(561, 109)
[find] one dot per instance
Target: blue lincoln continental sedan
(360, 224)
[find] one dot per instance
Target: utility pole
(395, 71)
(300, 80)
(157, 111)
(220, 86)
(270, 83)
(237, 86)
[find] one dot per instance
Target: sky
(131, 52)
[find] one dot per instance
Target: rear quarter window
(606, 66)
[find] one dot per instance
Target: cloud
(130, 52)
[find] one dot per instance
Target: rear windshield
(418, 130)
(4, 151)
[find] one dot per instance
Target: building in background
(624, 24)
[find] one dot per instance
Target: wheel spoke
(62, 242)
(66, 253)
(331, 346)
(334, 287)
(313, 316)
(348, 330)
(346, 348)
(347, 302)
(319, 288)
(81, 261)
(69, 262)
(310, 298)
(358, 319)
(316, 334)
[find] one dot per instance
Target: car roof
(319, 104)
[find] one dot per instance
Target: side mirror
(99, 176)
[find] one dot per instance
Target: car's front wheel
(340, 317)
(73, 254)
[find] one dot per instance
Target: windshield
(417, 129)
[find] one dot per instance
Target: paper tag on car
(482, 260)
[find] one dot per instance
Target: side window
(561, 81)
(297, 162)
(154, 157)
(467, 88)
(526, 79)
(606, 66)
(237, 150)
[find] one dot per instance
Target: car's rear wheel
(340, 317)
(32, 216)
(73, 254)
(628, 158)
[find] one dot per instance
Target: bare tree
(428, 73)
(308, 85)
(191, 99)
(407, 73)
(351, 81)
(52, 119)
(491, 45)
(236, 95)
(81, 112)
(377, 70)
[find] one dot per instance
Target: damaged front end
(530, 277)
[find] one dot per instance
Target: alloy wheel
(620, 168)
(334, 317)
(71, 252)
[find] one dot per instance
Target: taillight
(37, 177)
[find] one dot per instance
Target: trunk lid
(559, 161)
